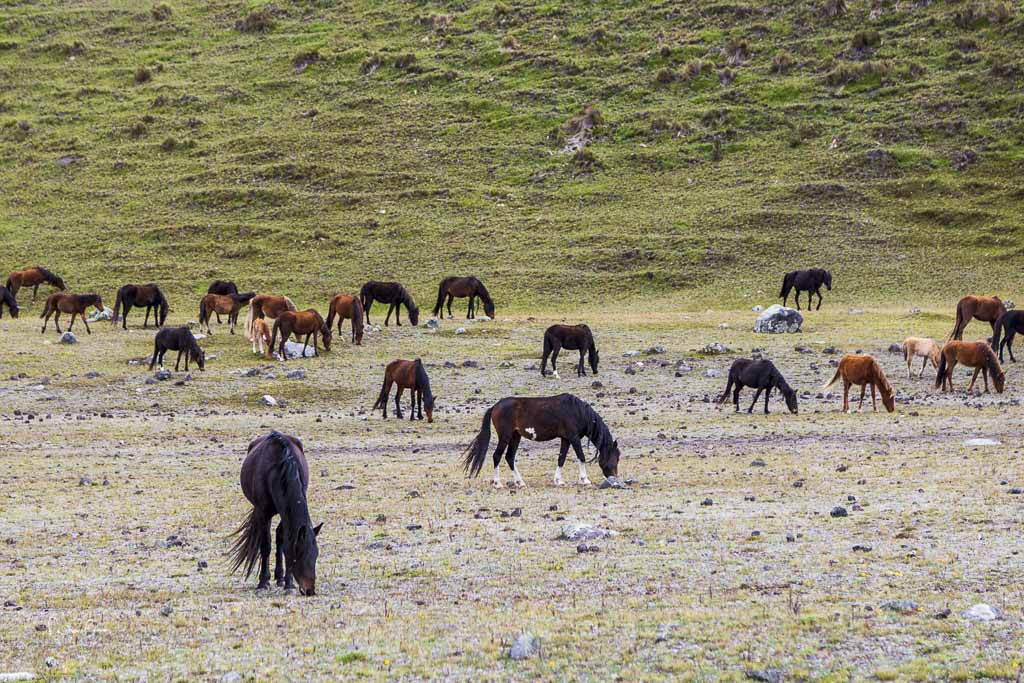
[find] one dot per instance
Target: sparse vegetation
(161, 12)
(258, 20)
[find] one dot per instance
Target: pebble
(296, 374)
(68, 338)
(766, 675)
(231, 677)
(461, 330)
(707, 502)
(525, 646)
(839, 511)
(900, 606)
(269, 400)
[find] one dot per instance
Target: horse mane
(243, 297)
(597, 431)
(406, 298)
(47, 275)
(291, 305)
(992, 360)
(484, 294)
(882, 379)
(423, 383)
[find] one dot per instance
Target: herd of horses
(275, 473)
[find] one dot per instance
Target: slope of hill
(305, 147)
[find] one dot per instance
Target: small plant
(137, 129)
(259, 20)
(864, 40)
(370, 64)
(834, 8)
(161, 12)
(782, 62)
(584, 161)
(405, 61)
(143, 75)
(736, 52)
(502, 10)
(169, 145)
(726, 76)
(305, 59)
(665, 77)
(693, 69)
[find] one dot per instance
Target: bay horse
(144, 296)
(275, 479)
(347, 307)
(984, 308)
(978, 355)
(229, 304)
(392, 293)
(864, 371)
(178, 339)
(1010, 323)
(266, 306)
(33, 277)
(407, 374)
(564, 417)
(461, 287)
(224, 287)
(809, 281)
(75, 304)
(259, 334)
(761, 375)
(921, 347)
(573, 337)
(7, 299)
(307, 322)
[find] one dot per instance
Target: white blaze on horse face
(558, 477)
(583, 473)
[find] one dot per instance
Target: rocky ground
(728, 557)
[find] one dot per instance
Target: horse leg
(84, 322)
(264, 556)
(510, 458)
(419, 403)
(398, 402)
(554, 359)
(450, 300)
(736, 395)
(35, 290)
(387, 318)
(56, 321)
(366, 310)
(561, 462)
(924, 364)
(984, 376)
(578, 448)
(974, 378)
(279, 558)
(233, 318)
(144, 322)
(498, 452)
(817, 290)
(386, 391)
(581, 371)
(874, 404)
(1008, 343)
(753, 403)
(846, 395)
(177, 361)
(305, 343)
(863, 390)
(767, 393)
(796, 292)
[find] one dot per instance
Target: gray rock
(294, 350)
(1009, 305)
(92, 375)
(631, 369)
(231, 677)
(461, 330)
(584, 532)
(630, 354)
(766, 675)
(983, 441)
(656, 349)
(269, 400)
(68, 338)
(166, 610)
(51, 662)
(433, 323)
(778, 319)
(296, 374)
(525, 646)
(715, 349)
(470, 364)
(723, 326)
(981, 612)
(899, 606)
(105, 314)
(162, 374)
(855, 311)
(895, 348)
(712, 372)
(839, 511)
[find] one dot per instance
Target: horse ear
(316, 529)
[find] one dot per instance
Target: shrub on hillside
(143, 75)
(161, 12)
(782, 62)
(834, 8)
(863, 40)
(259, 20)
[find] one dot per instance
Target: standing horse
(178, 339)
(978, 355)
(259, 334)
(564, 417)
(392, 293)
(864, 371)
(921, 347)
(809, 281)
(75, 304)
(761, 375)
(573, 337)
(223, 287)
(275, 478)
(266, 306)
(462, 287)
(229, 304)
(7, 298)
(407, 374)
(347, 307)
(148, 296)
(33, 277)
(307, 322)
(984, 308)
(1009, 323)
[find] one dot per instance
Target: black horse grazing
(222, 287)
(1009, 323)
(573, 337)
(392, 293)
(461, 287)
(564, 417)
(809, 281)
(761, 375)
(7, 299)
(148, 296)
(178, 339)
(275, 477)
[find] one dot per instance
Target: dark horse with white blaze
(407, 374)
(564, 417)
(573, 337)
(461, 287)
(146, 296)
(1010, 323)
(809, 281)
(275, 477)
(761, 375)
(178, 339)
(392, 293)
(7, 299)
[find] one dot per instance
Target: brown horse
(307, 322)
(267, 306)
(259, 334)
(462, 287)
(864, 371)
(978, 355)
(349, 307)
(33, 277)
(407, 374)
(985, 308)
(229, 304)
(75, 304)
(144, 296)
(921, 347)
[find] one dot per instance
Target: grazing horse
(461, 287)
(259, 334)
(229, 304)
(761, 375)
(863, 371)
(921, 347)
(1009, 323)
(573, 337)
(392, 293)
(178, 339)
(7, 298)
(33, 277)
(267, 306)
(407, 374)
(75, 304)
(564, 417)
(978, 355)
(984, 308)
(307, 322)
(275, 477)
(809, 281)
(224, 287)
(347, 307)
(148, 296)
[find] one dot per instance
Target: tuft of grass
(161, 12)
(257, 20)
(143, 75)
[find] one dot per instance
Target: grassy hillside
(305, 147)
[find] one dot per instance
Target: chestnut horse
(346, 306)
(259, 334)
(395, 295)
(407, 374)
(462, 287)
(307, 322)
(144, 296)
(921, 347)
(1010, 324)
(75, 304)
(33, 277)
(978, 355)
(7, 299)
(985, 308)
(266, 306)
(229, 304)
(864, 371)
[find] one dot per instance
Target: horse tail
(906, 351)
(382, 399)
(273, 334)
(440, 295)
(330, 313)
(357, 319)
(725, 394)
(547, 352)
(10, 284)
(940, 373)
(997, 329)
(787, 284)
(202, 311)
(117, 304)
(245, 550)
(477, 451)
(46, 308)
(834, 378)
(165, 305)
(957, 332)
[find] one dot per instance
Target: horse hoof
(497, 484)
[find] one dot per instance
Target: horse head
(827, 279)
(594, 358)
(414, 313)
(301, 561)
(58, 282)
(608, 459)
(790, 395)
(489, 308)
(325, 335)
(198, 355)
(99, 304)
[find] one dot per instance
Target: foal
(75, 304)
(178, 339)
(346, 306)
(920, 347)
(761, 375)
(259, 334)
(407, 374)
(978, 355)
(864, 371)
(307, 322)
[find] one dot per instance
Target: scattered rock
(839, 511)
(470, 364)
(166, 610)
(105, 314)
(231, 677)
(758, 308)
(92, 375)
(981, 612)
(1009, 305)
(983, 441)
(17, 676)
(777, 319)
(712, 372)
(69, 159)
(596, 384)
(68, 338)
(714, 349)
(900, 606)
(758, 463)
(584, 548)
(861, 548)
(584, 532)
(461, 330)
(830, 351)
(162, 375)
(707, 502)
(294, 350)
(269, 400)
(630, 354)
(766, 675)
(525, 646)
(895, 348)
(656, 349)
(612, 483)
(943, 614)
(964, 159)
(51, 662)
(855, 311)
(296, 374)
